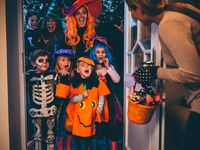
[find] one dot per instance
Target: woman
(80, 24)
(180, 42)
(53, 35)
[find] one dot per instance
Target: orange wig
(71, 32)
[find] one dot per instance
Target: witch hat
(55, 10)
(94, 6)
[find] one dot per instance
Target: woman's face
(51, 25)
(33, 22)
(100, 54)
(81, 16)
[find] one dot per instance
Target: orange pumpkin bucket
(140, 114)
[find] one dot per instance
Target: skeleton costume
(41, 106)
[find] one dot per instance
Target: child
(87, 102)
(41, 105)
(32, 35)
(106, 72)
(63, 66)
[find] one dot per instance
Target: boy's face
(84, 69)
(64, 63)
(41, 63)
(33, 22)
(100, 54)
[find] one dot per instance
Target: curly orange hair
(71, 33)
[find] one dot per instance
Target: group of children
(73, 98)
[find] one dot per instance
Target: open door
(141, 45)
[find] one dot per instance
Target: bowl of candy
(142, 104)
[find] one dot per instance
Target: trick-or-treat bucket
(140, 114)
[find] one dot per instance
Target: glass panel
(133, 25)
(146, 36)
(139, 57)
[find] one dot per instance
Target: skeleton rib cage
(43, 95)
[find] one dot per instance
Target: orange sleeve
(103, 89)
(62, 90)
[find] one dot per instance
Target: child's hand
(106, 63)
(85, 93)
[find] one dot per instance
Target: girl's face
(51, 25)
(81, 16)
(100, 54)
(33, 22)
(64, 63)
(41, 64)
(84, 69)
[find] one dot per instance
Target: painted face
(41, 63)
(64, 63)
(33, 22)
(84, 69)
(140, 15)
(81, 16)
(100, 54)
(51, 25)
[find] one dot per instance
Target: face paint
(41, 63)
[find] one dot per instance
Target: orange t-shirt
(82, 115)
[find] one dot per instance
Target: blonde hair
(56, 68)
(71, 33)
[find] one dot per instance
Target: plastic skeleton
(42, 97)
